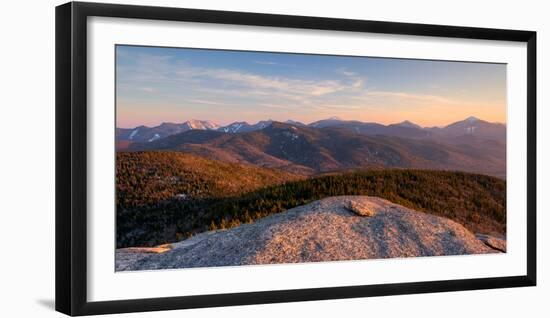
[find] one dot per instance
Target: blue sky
(156, 85)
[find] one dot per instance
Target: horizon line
(307, 124)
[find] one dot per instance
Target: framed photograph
(210, 158)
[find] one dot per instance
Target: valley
(332, 145)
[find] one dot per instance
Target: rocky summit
(324, 230)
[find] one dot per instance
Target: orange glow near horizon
(425, 116)
(156, 85)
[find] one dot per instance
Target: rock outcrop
(497, 243)
(324, 230)
(360, 208)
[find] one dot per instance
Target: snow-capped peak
(201, 124)
(471, 119)
(264, 123)
(234, 127)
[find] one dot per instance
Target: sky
(156, 85)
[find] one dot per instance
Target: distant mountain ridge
(149, 134)
(474, 127)
(469, 126)
(242, 126)
(408, 124)
(309, 150)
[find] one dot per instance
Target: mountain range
(334, 145)
(469, 126)
(149, 134)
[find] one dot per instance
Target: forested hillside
(149, 212)
(150, 178)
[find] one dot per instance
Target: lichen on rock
(361, 209)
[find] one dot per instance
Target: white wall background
(27, 158)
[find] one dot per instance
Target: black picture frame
(71, 157)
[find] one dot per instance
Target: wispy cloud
(346, 72)
(186, 84)
(256, 81)
(346, 93)
(162, 71)
(148, 89)
(206, 102)
(272, 63)
(404, 96)
(277, 106)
